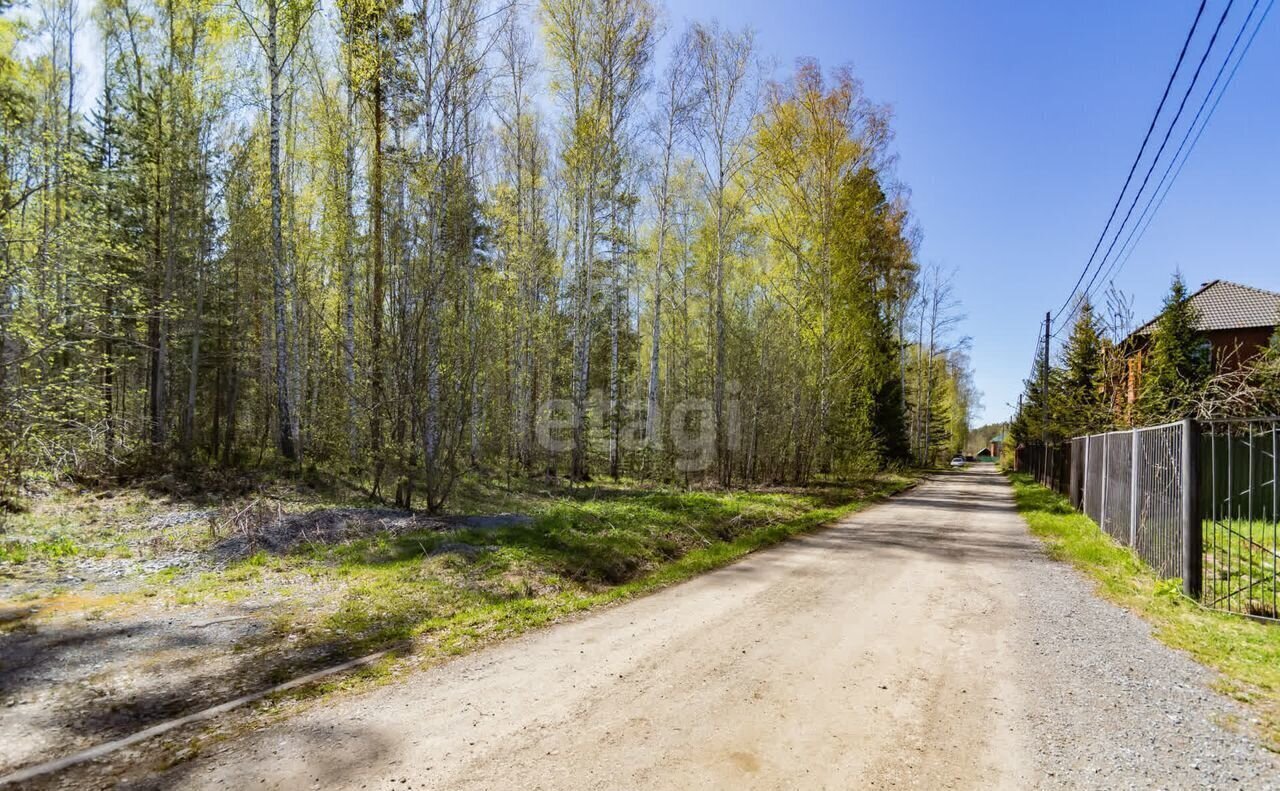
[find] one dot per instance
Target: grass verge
(430, 597)
(423, 590)
(1245, 653)
(446, 593)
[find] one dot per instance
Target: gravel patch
(76, 680)
(1110, 707)
(172, 519)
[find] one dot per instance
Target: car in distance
(958, 461)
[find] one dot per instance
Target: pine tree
(1028, 424)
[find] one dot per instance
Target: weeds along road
(925, 643)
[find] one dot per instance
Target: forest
(405, 243)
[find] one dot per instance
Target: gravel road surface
(924, 643)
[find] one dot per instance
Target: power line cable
(1133, 168)
(1160, 151)
(1212, 109)
(1148, 215)
(1137, 196)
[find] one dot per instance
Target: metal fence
(1239, 503)
(1195, 500)
(1118, 486)
(1131, 484)
(1162, 473)
(1049, 465)
(1092, 481)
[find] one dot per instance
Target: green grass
(435, 593)
(1245, 653)
(1240, 566)
(18, 551)
(443, 593)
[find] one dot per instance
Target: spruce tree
(1078, 395)
(1176, 365)
(1028, 425)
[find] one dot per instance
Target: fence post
(1073, 485)
(1135, 502)
(1084, 480)
(1077, 472)
(1106, 473)
(1192, 531)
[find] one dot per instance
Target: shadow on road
(929, 520)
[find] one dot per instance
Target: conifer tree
(1176, 365)
(1079, 396)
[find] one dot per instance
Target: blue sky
(1016, 124)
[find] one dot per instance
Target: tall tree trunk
(651, 405)
(615, 328)
(349, 263)
(296, 352)
(615, 405)
(232, 401)
(107, 343)
(157, 340)
(193, 374)
(717, 391)
(284, 416)
(376, 299)
(582, 326)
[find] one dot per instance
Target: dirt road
(924, 643)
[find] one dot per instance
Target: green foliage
(1033, 422)
(980, 436)
(1176, 365)
(18, 552)
(16, 101)
(449, 254)
(1079, 395)
(1264, 378)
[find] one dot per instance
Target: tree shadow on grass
(155, 676)
(336, 756)
(392, 597)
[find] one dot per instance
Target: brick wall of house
(1231, 350)
(1234, 348)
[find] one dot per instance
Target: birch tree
(278, 36)
(727, 79)
(392, 244)
(677, 104)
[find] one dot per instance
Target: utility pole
(1016, 416)
(1044, 382)
(1044, 398)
